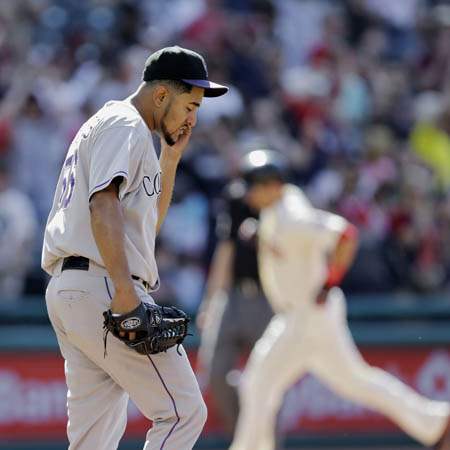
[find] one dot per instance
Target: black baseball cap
(177, 63)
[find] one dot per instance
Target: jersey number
(68, 183)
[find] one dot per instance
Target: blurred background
(356, 93)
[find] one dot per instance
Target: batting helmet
(263, 165)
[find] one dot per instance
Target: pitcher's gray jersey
(115, 142)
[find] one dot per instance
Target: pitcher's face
(180, 113)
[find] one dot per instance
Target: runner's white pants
(321, 344)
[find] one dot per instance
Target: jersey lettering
(68, 183)
(152, 187)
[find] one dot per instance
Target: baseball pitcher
(111, 199)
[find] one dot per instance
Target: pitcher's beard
(167, 137)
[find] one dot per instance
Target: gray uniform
(115, 142)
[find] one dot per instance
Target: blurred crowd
(355, 93)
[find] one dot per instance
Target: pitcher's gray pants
(162, 386)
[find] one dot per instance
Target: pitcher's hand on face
(177, 150)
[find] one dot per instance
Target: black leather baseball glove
(156, 328)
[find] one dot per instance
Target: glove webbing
(166, 335)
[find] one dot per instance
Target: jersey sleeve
(110, 158)
(329, 227)
(321, 228)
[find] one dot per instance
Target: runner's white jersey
(294, 241)
(115, 142)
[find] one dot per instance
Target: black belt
(82, 263)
